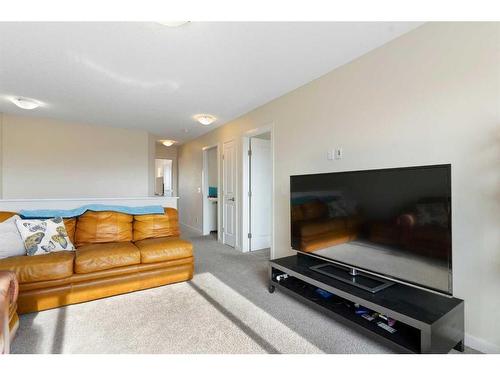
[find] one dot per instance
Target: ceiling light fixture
(173, 23)
(205, 119)
(168, 142)
(25, 103)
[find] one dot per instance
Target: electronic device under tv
(374, 227)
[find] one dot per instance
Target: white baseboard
(481, 345)
(197, 230)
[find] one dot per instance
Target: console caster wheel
(271, 288)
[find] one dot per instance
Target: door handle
(231, 199)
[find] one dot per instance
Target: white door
(229, 193)
(260, 193)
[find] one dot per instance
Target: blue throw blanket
(44, 214)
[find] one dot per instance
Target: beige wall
(1, 156)
(44, 158)
(431, 96)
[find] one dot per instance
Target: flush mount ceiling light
(25, 103)
(205, 119)
(168, 142)
(173, 23)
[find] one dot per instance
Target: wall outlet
(339, 153)
(196, 220)
(330, 155)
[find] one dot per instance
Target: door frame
(204, 190)
(245, 206)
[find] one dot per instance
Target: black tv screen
(392, 222)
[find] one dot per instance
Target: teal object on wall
(212, 191)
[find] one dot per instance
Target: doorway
(211, 222)
(258, 190)
(163, 177)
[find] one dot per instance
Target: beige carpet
(202, 316)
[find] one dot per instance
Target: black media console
(426, 322)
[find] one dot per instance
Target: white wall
(44, 158)
(431, 96)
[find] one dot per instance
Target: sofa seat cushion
(311, 228)
(327, 239)
(45, 267)
(98, 257)
(163, 249)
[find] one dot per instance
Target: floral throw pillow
(44, 236)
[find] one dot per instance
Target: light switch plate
(339, 153)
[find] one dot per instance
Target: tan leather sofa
(313, 229)
(115, 253)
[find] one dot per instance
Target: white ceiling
(148, 76)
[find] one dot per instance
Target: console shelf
(426, 322)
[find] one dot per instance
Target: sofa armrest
(407, 220)
(9, 289)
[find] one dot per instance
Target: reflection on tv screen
(396, 222)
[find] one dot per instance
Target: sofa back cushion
(102, 227)
(4, 215)
(296, 213)
(314, 210)
(154, 226)
(70, 225)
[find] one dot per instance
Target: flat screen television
(394, 223)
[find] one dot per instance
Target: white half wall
(16, 205)
(431, 96)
